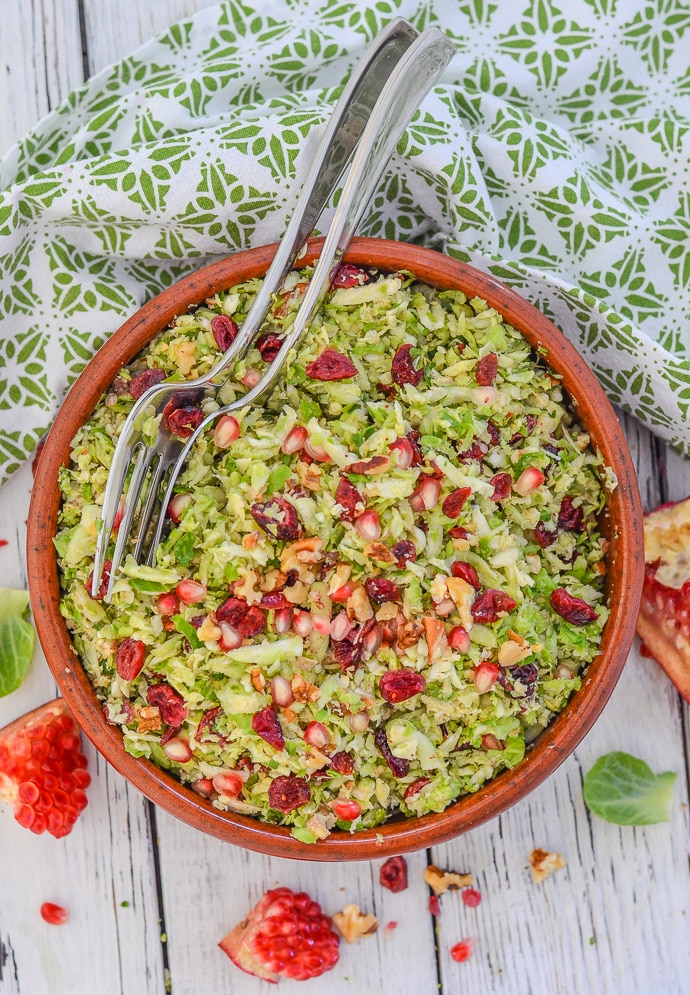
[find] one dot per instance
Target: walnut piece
(440, 881)
(544, 864)
(353, 924)
(148, 717)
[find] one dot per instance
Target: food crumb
(544, 864)
(440, 881)
(353, 924)
(462, 951)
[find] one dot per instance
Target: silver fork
(414, 71)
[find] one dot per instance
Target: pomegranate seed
(462, 951)
(344, 592)
(167, 604)
(404, 451)
(529, 480)
(471, 897)
(368, 525)
(316, 734)
(484, 395)
(230, 638)
(321, 624)
(346, 809)
(282, 621)
(340, 626)
(178, 749)
(373, 639)
(119, 514)
(490, 742)
(54, 914)
(281, 692)
(229, 782)
(446, 606)
(203, 786)
(458, 639)
(251, 378)
(316, 452)
(227, 430)
(359, 721)
(294, 440)
(434, 905)
(430, 491)
(177, 505)
(302, 623)
(485, 676)
(191, 591)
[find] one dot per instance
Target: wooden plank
(615, 918)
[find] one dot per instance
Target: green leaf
(279, 474)
(16, 639)
(184, 549)
(188, 630)
(624, 790)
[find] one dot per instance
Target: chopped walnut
(244, 586)
(297, 556)
(318, 825)
(258, 679)
(297, 593)
(510, 652)
(544, 864)
(340, 576)
(209, 629)
(251, 540)
(462, 594)
(273, 580)
(409, 633)
(358, 605)
(387, 611)
(310, 476)
(440, 881)
(148, 717)
(316, 760)
(435, 634)
(380, 552)
(303, 691)
(353, 924)
(438, 588)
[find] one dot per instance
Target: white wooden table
(149, 898)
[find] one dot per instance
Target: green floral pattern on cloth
(555, 153)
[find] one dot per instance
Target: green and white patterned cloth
(555, 153)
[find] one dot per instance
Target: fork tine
(143, 461)
(113, 494)
(154, 501)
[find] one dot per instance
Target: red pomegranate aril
(316, 734)
(178, 749)
(203, 786)
(462, 951)
(230, 638)
(340, 626)
(404, 452)
(485, 676)
(459, 639)
(191, 592)
(346, 809)
(471, 897)
(302, 623)
(227, 430)
(294, 440)
(54, 914)
(444, 607)
(528, 481)
(281, 692)
(321, 624)
(368, 525)
(177, 505)
(167, 604)
(251, 378)
(359, 721)
(316, 452)
(373, 639)
(344, 592)
(282, 621)
(228, 782)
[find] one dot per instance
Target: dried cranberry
(249, 621)
(525, 674)
(572, 609)
(349, 652)
(380, 590)
(269, 345)
(129, 658)
(274, 600)
(487, 368)
(494, 433)
(393, 874)
(224, 330)
(388, 390)
(120, 386)
(531, 422)
(457, 532)
(477, 451)
(402, 367)
(413, 438)
(331, 365)
(349, 275)
(398, 766)
(277, 517)
(169, 702)
(105, 579)
(342, 762)
(434, 905)
(404, 552)
(413, 789)
(490, 604)
(287, 793)
(455, 502)
(207, 721)
(467, 572)
(352, 502)
(545, 537)
(181, 415)
(399, 685)
(147, 378)
(266, 724)
(570, 517)
(502, 484)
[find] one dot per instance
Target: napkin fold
(554, 153)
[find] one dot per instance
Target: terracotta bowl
(622, 524)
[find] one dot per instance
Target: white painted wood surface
(149, 898)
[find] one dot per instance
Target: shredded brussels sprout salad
(376, 589)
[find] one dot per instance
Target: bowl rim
(565, 731)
